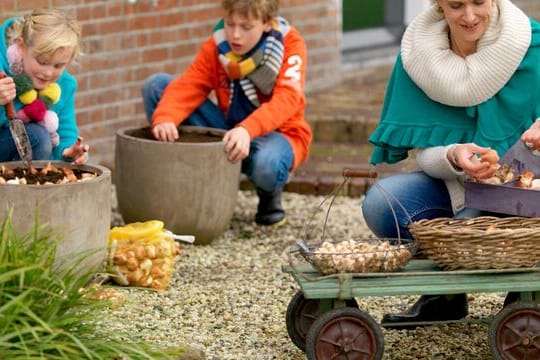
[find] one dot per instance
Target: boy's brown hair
(265, 10)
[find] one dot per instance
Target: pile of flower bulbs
(143, 258)
(352, 256)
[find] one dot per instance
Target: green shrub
(43, 313)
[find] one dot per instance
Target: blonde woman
(467, 80)
(34, 53)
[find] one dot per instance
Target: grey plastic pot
(80, 213)
(190, 186)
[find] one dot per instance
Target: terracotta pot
(80, 213)
(189, 185)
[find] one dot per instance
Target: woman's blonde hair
(265, 10)
(48, 30)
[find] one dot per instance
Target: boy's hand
(165, 132)
(78, 152)
(237, 143)
(7, 90)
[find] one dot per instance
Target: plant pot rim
(99, 170)
(202, 130)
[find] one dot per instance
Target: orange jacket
(283, 110)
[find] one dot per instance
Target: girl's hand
(467, 157)
(78, 152)
(237, 143)
(7, 90)
(165, 132)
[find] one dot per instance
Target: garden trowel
(18, 132)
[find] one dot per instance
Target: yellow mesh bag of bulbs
(142, 254)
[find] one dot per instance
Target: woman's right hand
(166, 131)
(467, 157)
(7, 90)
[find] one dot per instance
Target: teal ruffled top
(410, 119)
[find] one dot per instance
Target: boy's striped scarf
(259, 68)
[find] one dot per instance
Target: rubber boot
(269, 210)
(429, 308)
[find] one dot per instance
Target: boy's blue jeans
(393, 202)
(39, 137)
(270, 156)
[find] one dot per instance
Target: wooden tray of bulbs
(515, 187)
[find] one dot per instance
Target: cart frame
(323, 320)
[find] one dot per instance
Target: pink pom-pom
(50, 121)
(22, 115)
(36, 110)
(13, 54)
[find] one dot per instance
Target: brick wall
(125, 41)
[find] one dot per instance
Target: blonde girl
(34, 53)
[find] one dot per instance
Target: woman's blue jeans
(270, 156)
(394, 202)
(40, 141)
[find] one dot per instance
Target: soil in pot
(49, 174)
(183, 137)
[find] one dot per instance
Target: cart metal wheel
(514, 332)
(345, 333)
(301, 313)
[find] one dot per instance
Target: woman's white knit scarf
(452, 80)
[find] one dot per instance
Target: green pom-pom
(47, 101)
(23, 83)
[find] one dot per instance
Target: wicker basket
(479, 243)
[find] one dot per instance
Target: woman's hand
(78, 152)
(166, 131)
(7, 90)
(467, 157)
(531, 137)
(237, 143)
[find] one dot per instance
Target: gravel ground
(230, 298)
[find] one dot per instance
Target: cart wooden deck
(419, 277)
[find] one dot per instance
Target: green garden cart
(324, 321)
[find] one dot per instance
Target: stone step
(349, 112)
(342, 119)
(322, 173)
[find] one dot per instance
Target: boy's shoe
(269, 210)
(429, 309)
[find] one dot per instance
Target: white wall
(413, 7)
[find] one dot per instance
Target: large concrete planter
(189, 185)
(80, 213)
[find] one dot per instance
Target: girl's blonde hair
(47, 30)
(265, 10)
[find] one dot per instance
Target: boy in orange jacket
(255, 62)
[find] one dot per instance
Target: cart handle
(357, 173)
